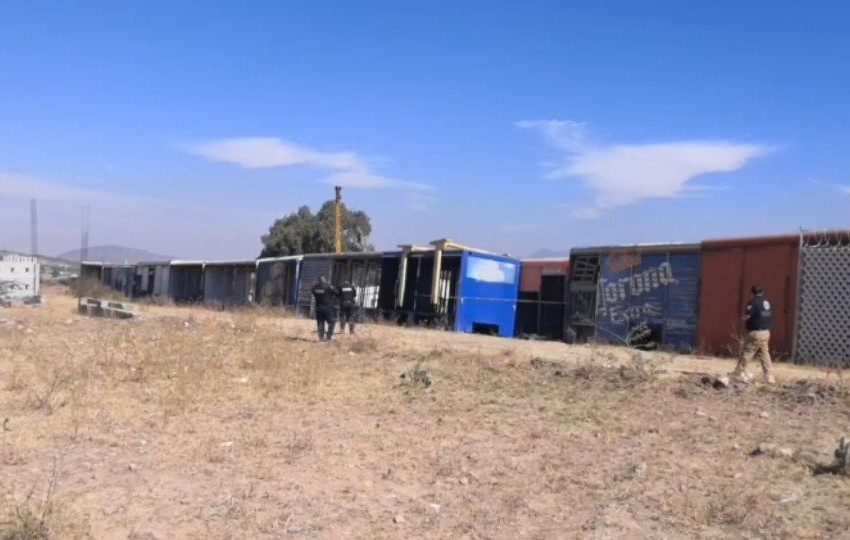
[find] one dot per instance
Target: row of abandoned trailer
(684, 297)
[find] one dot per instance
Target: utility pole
(34, 245)
(84, 241)
(338, 220)
(33, 228)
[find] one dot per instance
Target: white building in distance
(20, 276)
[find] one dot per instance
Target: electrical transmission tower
(33, 228)
(84, 241)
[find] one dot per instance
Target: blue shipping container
(659, 289)
(488, 290)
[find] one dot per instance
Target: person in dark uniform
(758, 316)
(347, 306)
(325, 296)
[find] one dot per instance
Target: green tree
(305, 232)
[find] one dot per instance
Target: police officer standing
(758, 317)
(325, 296)
(347, 306)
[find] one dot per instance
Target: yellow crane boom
(338, 220)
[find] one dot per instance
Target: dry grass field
(191, 423)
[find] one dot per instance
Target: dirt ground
(191, 423)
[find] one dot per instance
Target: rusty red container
(541, 302)
(729, 269)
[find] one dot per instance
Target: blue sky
(189, 126)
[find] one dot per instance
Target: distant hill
(546, 253)
(115, 255)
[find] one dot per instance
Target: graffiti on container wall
(656, 289)
(637, 284)
(624, 314)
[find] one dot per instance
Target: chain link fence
(823, 316)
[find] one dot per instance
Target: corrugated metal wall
(91, 271)
(614, 292)
(229, 284)
(729, 269)
(658, 289)
(121, 279)
(389, 284)
(364, 274)
(311, 269)
(144, 280)
(277, 282)
(489, 286)
(186, 283)
(161, 281)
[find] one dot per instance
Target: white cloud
(265, 152)
(348, 168)
(564, 134)
(366, 179)
(845, 189)
(628, 173)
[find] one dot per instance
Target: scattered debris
(841, 464)
(785, 452)
(725, 382)
(95, 307)
(773, 450)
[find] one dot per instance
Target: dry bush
(735, 506)
(47, 394)
(417, 377)
(94, 289)
(639, 369)
(37, 518)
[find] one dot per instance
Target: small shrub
(416, 377)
